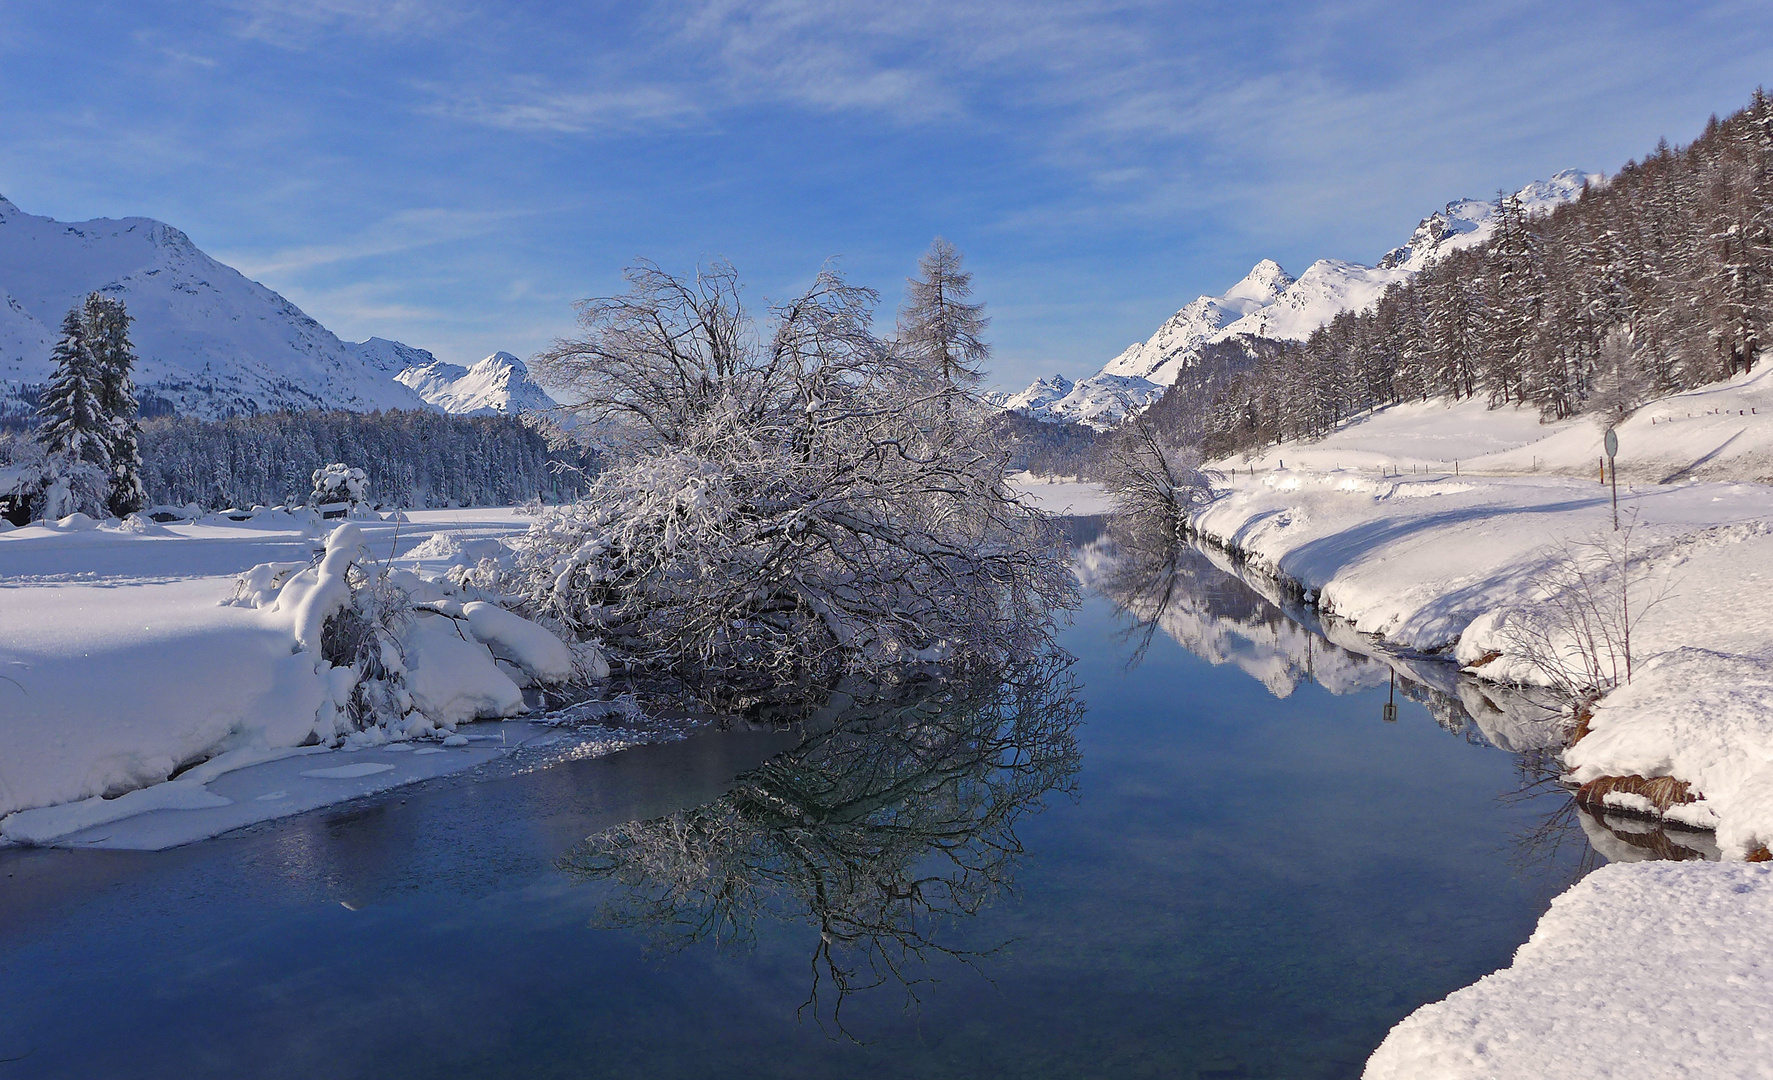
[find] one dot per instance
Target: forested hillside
(414, 458)
(1655, 282)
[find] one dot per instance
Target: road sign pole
(1612, 443)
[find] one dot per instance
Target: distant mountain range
(498, 384)
(210, 342)
(1270, 303)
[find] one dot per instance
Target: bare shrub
(1590, 598)
(1155, 480)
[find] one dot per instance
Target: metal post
(1612, 444)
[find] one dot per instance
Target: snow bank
(1701, 716)
(129, 656)
(1440, 564)
(1641, 970)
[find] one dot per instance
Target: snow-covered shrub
(798, 503)
(340, 483)
(41, 486)
(400, 654)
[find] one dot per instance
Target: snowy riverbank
(130, 656)
(1644, 969)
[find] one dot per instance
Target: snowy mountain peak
(1268, 303)
(209, 341)
(1265, 281)
(500, 383)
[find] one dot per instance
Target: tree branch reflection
(878, 832)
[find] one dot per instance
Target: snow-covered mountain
(1176, 342)
(210, 341)
(498, 384)
(1101, 401)
(1269, 303)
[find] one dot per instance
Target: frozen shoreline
(1636, 970)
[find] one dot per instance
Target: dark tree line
(1046, 448)
(1656, 282)
(415, 459)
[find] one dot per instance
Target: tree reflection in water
(879, 831)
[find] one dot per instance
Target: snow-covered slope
(1269, 303)
(498, 384)
(1100, 401)
(210, 341)
(1177, 341)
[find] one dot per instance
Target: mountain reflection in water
(878, 831)
(1200, 598)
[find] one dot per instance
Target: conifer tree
(107, 330)
(938, 330)
(75, 427)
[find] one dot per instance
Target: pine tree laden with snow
(107, 332)
(74, 429)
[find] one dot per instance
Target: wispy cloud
(296, 24)
(406, 230)
(529, 104)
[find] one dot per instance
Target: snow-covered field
(123, 661)
(1718, 432)
(1434, 528)
(1079, 498)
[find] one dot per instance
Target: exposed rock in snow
(498, 384)
(210, 342)
(1268, 303)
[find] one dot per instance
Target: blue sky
(454, 173)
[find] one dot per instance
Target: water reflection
(1200, 598)
(878, 832)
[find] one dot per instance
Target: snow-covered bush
(800, 502)
(399, 654)
(37, 485)
(340, 483)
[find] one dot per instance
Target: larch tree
(940, 333)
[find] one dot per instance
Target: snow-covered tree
(74, 430)
(340, 483)
(71, 409)
(106, 323)
(779, 507)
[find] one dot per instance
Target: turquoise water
(1188, 876)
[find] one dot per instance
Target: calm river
(1226, 865)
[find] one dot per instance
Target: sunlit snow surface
(1640, 970)
(122, 665)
